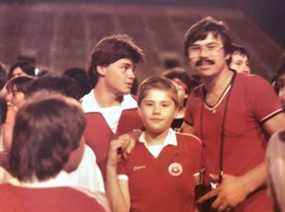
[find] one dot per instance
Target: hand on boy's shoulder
(121, 147)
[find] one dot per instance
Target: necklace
(214, 108)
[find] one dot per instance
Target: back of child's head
(53, 126)
(60, 84)
(20, 84)
(157, 83)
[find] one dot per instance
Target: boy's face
(207, 57)
(239, 63)
(157, 111)
(119, 76)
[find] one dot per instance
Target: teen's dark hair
(160, 83)
(201, 29)
(20, 84)
(46, 131)
(109, 50)
(61, 84)
(26, 67)
(81, 77)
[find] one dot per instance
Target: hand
(122, 147)
(230, 192)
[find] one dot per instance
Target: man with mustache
(230, 112)
(109, 108)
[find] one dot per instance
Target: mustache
(204, 61)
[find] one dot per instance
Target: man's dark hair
(201, 29)
(109, 50)
(26, 67)
(46, 130)
(60, 84)
(81, 77)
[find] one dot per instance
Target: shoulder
(98, 197)
(188, 139)
(251, 80)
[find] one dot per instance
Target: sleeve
(188, 118)
(262, 99)
(123, 170)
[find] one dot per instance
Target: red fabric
(98, 134)
(60, 199)
(152, 187)
(251, 100)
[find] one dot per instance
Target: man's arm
(234, 189)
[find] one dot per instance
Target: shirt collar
(62, 179)
(169, 140)
(90, 104)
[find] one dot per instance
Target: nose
(203, 52)
(131, 73)
(156, 109)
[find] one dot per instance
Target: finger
(219, 202)
(208, 195)
(223, 207)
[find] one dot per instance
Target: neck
(105, 97)
(155, 138)
(219, 81)
(216, 86)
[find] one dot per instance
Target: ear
(102, 70)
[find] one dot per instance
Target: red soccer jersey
(98, 134)
(251, 102)
(165, 183)
(58, 199)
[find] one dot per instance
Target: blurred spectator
(184, 85)
(81, 77)
(276, 169)
(239, 59)
(278, 82)
(20, 69)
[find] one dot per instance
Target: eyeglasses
(211, 48)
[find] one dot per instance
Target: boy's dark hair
(109, 50)
(26, 67)
(202, 28)
(60, 84)
(160, 83)
(46, 130)
(81, 77)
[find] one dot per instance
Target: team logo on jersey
(175, 169)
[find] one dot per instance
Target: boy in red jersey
(158, 175)
(47, 131)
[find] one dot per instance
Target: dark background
(268, 14)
